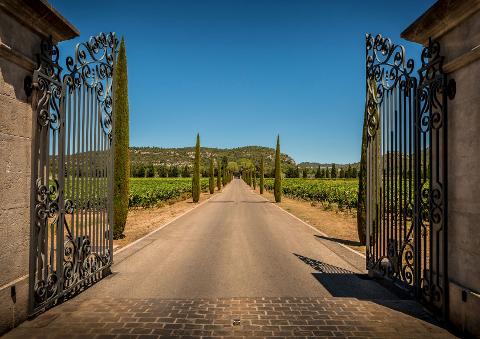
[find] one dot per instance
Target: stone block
(15, 239)
(464, 309)
(13, 311)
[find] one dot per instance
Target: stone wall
(456, 25)
(19, 44)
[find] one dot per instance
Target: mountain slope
(184, 156)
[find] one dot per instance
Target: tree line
(327, 172)
(224, 173)
(140, 170)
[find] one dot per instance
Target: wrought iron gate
(407, 169)
(72, 165)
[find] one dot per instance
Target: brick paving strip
(232, 317)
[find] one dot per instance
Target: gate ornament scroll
(92, 67)
(72, 165)
(387, 70)
(434, 91)
(406, 114)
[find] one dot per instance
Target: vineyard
(342, 192)
(148, 192)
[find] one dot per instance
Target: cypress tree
(305, 173)
(121, 167)
(362, 176)
(333, 174)
(219, 179)
(254, 174)
(211, 180)
(318, 174)
(224, 170)
(278, 174)
(262, 170)
(196, 172)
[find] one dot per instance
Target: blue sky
(239, 72)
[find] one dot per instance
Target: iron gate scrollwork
(72, 166)
(407, 168)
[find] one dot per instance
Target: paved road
(235, 245)
(237, 256)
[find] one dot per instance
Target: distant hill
(185, 155)
(324, 165)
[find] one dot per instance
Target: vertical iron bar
(402, 224)
(61, 180)
(446, 286)
(94, 171)
(74, 163)
(384, 181)
(395, 174)
(417, 194)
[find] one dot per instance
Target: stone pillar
(23, 24)
(456, 25)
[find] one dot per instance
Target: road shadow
(343, 283)
(253, 202)
(340, 241)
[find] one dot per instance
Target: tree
(318, 173)
(354, 172)
(362, 176)
(348, 173)
(196, 172)
(277, 187)
(121, 166)
(173, 171)
(333, 173)
(327, 173)
(149, 171)
(342, 173)
(224, 169)
(162, 171)
(305, 173)
(262, 170)
(138, 171)
(219, 174)
(254, 175)
(186, 172)
(232, 167)
(211, 180)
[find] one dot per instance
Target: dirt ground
(141, 221)
(340, 226)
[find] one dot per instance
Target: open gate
(407, 169)
(72, 165)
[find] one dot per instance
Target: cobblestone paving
(232, 317)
